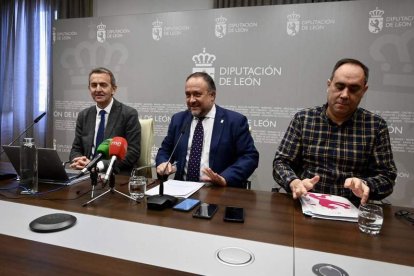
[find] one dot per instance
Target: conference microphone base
(161, 202)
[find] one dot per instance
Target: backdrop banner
(268, 62)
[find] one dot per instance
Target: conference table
(115, 235)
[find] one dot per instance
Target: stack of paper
(177, 188)
(329, 207)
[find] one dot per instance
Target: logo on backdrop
(101, 33)
(292, 27)
(221, 27)
(157, 30)
(393, 51)
(234, 75)
(376, 21)
(294, 24)
(57, 36)
(160, 30)
(204, 63)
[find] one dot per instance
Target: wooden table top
(270, 218)
(394, 244)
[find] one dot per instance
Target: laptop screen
(50, 167)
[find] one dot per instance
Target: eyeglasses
(407, 215)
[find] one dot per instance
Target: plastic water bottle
(28, 165)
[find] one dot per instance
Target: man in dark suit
(119, 120)
(228, 155)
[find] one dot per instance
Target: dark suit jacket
(122, 121)
(232, 151)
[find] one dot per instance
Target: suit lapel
(90, 124)
(218, 126)
(186, 135)
(112, 119)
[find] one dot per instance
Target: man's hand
(358, 187)
(170, 168)
(215, 178)
(301, 187)
(78, 163)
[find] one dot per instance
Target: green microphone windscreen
(104, 148)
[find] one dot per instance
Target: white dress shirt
(208, 124)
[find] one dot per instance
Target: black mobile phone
(186, 205)
(205, 211)
(234, 214)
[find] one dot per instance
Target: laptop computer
(50, 168)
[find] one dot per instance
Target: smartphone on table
(186, 205)
(205, 211)
(234, 214)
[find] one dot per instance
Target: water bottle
(28, 165)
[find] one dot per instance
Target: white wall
(124, 7)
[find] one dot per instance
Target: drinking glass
(370, 218)
(137, 186)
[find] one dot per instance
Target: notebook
(50, 168)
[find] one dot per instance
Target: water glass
(370, 218)
(137, 186)
(28, 166)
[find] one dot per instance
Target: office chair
(147, 142)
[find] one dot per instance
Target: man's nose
(192, 99)
(345, 93)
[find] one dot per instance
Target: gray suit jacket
(123, 121)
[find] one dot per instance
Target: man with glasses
(338, 148)
(107, 119)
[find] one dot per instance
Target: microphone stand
(161, 201)
(111, 189)
(35, 121)
(94, 179)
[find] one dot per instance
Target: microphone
(35, 121)
(102, 166)
(182, 131)
(117, 150)
(152, 165)
(102, 152)
(161, 201)
(39, 118)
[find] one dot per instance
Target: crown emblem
(376, 13)
(293, 17)
(157, 24)
(101, 27)
(78, 60)
(204, 59)
(221, 20)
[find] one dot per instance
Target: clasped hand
(78, 163)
